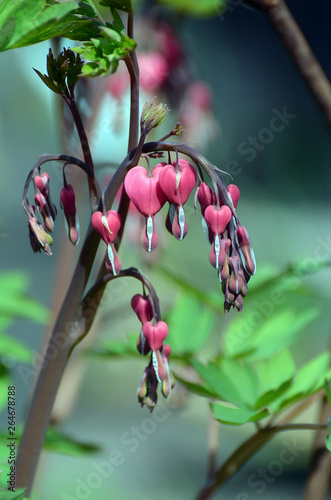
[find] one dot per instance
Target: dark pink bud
(144, 191)
(245, 250)
(67, 197)
(234, 193)
(224, 272)
(178, 186)
(142, 307)
(217, 220)
(155, 334)
(205, 196)
(107, 226)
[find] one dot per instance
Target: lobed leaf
(236, 416)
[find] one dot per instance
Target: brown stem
(318, 481)
(303, 57)
(231, 466)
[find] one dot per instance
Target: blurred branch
(318, 481)
(303, 57)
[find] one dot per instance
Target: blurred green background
(285, 205)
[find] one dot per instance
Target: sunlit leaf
(308, 379)
(260, 333)
(190, 325)
(196, 7)
(236, 416)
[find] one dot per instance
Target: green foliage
(196, 7)
(63, 72)
(15, 303)
(26, 22)
(105, 52)
(10, 495)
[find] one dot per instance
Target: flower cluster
(151, 340)
(39, 230)
(231, 251)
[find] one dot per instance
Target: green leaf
(124, 5)
(9, 495)
(14, 303)
(308, 379)
(236, 416)
(116, 348)
(224, 386)
(58, 442)
(275, 331)
(201, 390)
(15, 349)
(190, 325)
(196, 7)
(4, 383)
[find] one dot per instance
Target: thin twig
(303, 57)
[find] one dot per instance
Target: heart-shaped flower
(106, 225)
(144, 191)
(155, 334)
(217, 220)
(178, 185)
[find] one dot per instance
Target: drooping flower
(177, 183)
(107, 226)
(143, 308)
(145, 193)
(68, 205)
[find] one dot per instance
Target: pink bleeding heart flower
(41, 182)
(224, 270)
(68, 205)
(246, 250)
(155, 334)
(217, 220)
(44, 211)
(205, 196)
(234, 193)
(178, 185)
(142, 307)
(107, 226)
(145, 193)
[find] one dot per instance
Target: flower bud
(245, 250)
(67, 197)
(142, 307)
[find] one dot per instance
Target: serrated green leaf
(190, 325)
(236, 416)
(196, 7)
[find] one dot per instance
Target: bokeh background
(285, 204)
